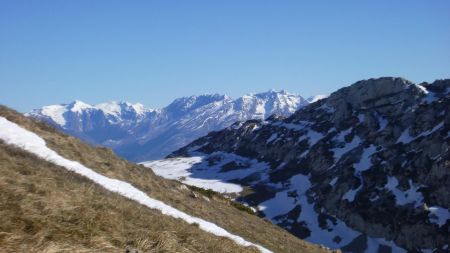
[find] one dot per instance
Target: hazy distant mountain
(138, 133)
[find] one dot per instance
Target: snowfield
(14, 134)
(179, 169)
(201, 172)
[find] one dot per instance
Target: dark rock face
(376, 155)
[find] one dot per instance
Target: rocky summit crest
(367, 168)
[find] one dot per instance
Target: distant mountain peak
(139, 133)
(117, 108)
(79, 106)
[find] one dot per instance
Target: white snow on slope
(273, 137)
(365, 162)
(406, 138)
(282, 203)
(316, 98)
(179, 169)
(55, 112)
(200, 172)
(80, 106)
(117, 108)
(383, 122)
(110, 108)
(309, 134)
(439, 215)
(412, 195)
(313, 137)
(351, 194)
(13, 134)
(345, 147)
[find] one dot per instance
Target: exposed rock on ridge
(376, 155)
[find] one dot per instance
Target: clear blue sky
(154, 51)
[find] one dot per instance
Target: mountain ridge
(335, 170)
(138, 133)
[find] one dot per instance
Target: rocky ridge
(365, 170)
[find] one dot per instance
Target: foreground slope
(138, 133)
(365, 170)
(47, 208)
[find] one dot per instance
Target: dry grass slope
(48, 209)
(44, 208)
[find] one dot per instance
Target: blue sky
(154, 51)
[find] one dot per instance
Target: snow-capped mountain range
(138, 133)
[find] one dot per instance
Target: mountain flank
(46, 208)
(366, 169)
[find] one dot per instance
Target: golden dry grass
(216, 209)
(44, 208)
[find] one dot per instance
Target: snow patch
(405, 137)
(111, 108)
(439, 215)
(365, 163)
(282, 203)
(407, 197)
(382, 122)
(78, 106)
(339, 152)
(313, 137)
(361, 118)
(272, 138)
(333, 181)
(316, 98)
(179, 169)
(55, 112)
(350, 195)
(199, 171)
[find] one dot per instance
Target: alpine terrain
(59, 194)
(365, 170)
(138, 134)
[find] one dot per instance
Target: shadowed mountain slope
(365, 170)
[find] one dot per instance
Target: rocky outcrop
(375, 156)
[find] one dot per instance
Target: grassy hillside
(46, 208)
